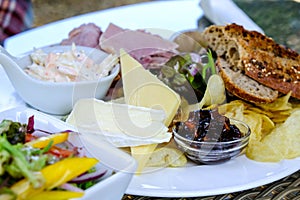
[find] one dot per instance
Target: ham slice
(85, 35)
(137, 43)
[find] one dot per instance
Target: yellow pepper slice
(65, 170)
(54, 175)
(56, 195)
(44, 141)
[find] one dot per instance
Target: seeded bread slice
(257, 56)
(243, 86)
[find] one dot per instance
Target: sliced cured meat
(84, 35)
(138, 43)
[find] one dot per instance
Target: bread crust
(283, 79)
(258, 56)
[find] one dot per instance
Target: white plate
(163, 17)
(194, 181)
(111, 158)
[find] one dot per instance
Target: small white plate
(114, 160)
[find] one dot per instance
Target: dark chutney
(208, 126)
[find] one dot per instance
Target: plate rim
(281, 172)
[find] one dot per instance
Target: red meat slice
(138, 43)
(84, 35)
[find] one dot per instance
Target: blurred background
(46, 11)
(280, 19)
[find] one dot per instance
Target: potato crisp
(275, 128)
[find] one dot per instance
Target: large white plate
(163, 17)
(193, 181)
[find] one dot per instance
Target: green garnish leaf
(210, 65)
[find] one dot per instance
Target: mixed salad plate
(112, 173)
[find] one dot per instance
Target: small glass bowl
(207, 152)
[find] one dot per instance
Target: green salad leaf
(210, 65)
(187, 76)
(15, 162)
(15, 132)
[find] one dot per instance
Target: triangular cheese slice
(142, 88)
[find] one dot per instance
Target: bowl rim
(245, 137)
(210, 151)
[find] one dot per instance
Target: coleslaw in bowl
(52, 97)
(69, 66)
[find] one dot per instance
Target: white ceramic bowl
(55, 98)
(112, 186)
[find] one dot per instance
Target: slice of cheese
(142, 88)
(121, 124)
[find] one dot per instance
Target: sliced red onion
(30, 124)
(195, 57)
(89, 176)
(70, 187)
(193, 69)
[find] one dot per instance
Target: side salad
(187, 73)
(36, 164)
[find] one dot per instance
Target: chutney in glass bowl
(207, 137)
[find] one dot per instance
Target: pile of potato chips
(275, 128)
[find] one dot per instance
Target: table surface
(278, 18)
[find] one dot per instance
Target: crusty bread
(243, 86)
(256, 56)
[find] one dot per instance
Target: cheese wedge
(142, 88)
(120, 124)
